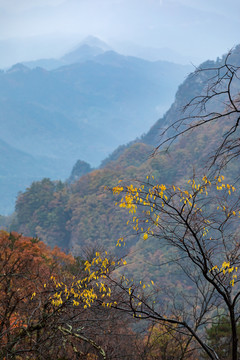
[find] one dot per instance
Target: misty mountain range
(87, 49)
(83, 110)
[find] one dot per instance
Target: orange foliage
(26, 267)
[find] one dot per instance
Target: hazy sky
(196, 29)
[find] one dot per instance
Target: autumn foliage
(45, 312)
(26, 267)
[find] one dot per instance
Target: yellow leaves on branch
(87, 290)
(221, 186)
(117, 189)
(145, 236)
(94, 286)
(226, 268)
(158, 200)
(155, 200)
(155, 197)
(120, 242)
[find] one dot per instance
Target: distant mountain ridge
(87, 49)
(82, 110)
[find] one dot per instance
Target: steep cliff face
(195, 85)
(80, 168)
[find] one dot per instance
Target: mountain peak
(18, 68)
(86, 50)
(94, 41)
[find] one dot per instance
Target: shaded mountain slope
(18, 169)
(195, 85)
(82, 111)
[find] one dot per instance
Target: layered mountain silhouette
(85, 50)
(82, 110)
